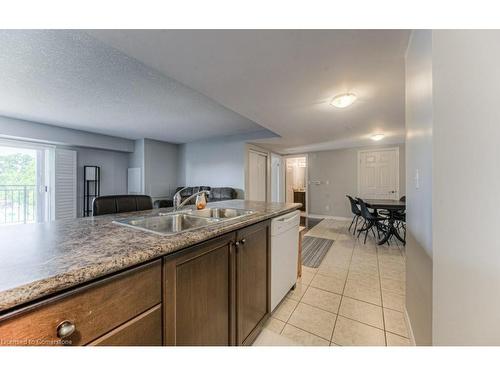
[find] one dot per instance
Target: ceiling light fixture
(343, 100)
(377, 137)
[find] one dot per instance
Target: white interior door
(378, 174)
(257, 175)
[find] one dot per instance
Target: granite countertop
(37, 260)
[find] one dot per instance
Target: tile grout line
(366, 324)
(295, 308)
(314, 334)
(343, 290)
(381, 295)
(354, 248)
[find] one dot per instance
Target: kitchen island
(136, 280)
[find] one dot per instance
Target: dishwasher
(284, 255)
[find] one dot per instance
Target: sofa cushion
(187, 192)
(216, 193)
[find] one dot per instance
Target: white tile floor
(355, 297)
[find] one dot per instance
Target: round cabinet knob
(243, 241)
(65, 329)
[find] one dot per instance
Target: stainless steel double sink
(183, 221)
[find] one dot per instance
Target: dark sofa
(216, 194)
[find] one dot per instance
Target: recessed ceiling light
(377, 137)
(343, 100)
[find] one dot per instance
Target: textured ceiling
(284, 79)
(185, 85)
(70, 79)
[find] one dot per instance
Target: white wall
(466, 186)
(113, 171)
(216, 163)
(419, 199)
(159, 163)
(340, 168)
(160, 168)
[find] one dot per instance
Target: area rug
(314, 250)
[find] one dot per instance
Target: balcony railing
(17, 204)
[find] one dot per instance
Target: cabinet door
(252, 281)
(198, 290)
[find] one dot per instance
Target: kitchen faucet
(177, 198)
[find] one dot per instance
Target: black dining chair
(356, 212)
(400, 217)
(372, 219)
(387, 213)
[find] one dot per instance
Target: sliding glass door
(24, 182)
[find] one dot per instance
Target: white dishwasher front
(284, 255)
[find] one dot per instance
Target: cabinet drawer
(143, 330)
(94, 309)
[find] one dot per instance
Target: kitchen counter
(37, 260)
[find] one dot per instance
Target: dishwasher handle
(288, 219)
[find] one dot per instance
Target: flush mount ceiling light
(343, 100)
(377, 137)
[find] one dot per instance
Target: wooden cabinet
(198, 293)
(252, 281)
(143, 330)
(218, 293)
(214, 293)
(89, 312)
(300, 197)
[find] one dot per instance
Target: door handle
(240, 242)
(287, 220)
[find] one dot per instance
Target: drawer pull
(243, 241)
(65, 329)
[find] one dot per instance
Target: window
(25, 170)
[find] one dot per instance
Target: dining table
(392, 206)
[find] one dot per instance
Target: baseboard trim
(409, 328)
(314, 216)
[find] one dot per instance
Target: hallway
(355, 297)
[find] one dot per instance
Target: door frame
(306, 213)
(281, 177)
(395, 148)
(253, 148)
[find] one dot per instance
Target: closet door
(257, 176)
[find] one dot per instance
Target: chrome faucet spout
(177, 198)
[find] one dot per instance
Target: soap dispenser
(201, 201)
